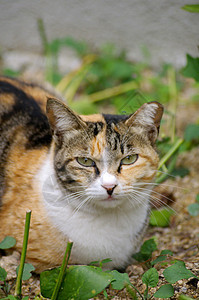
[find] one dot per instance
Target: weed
(23, 270)
(193, 208)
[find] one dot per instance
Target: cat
(86, 178)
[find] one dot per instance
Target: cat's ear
(148, 115)
(61, 118)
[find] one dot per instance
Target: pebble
(183, 289)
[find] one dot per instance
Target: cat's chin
(109, 202)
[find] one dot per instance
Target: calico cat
(85, 178)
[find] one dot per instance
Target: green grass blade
(62, 271)
(23, 255)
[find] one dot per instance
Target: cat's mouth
(110, 198)
(110, 202)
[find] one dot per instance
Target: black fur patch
(26, 115)
(95, 127)
(26, 112)
(115, 118)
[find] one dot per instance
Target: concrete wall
(161, 25)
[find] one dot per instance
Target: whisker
(157, 193)
(157, 184)
(147, 192)
(158, 201)
(170, 175)
(135, 196)
(85, 201)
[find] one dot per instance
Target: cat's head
(105, 161)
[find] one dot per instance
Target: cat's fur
(102, 208)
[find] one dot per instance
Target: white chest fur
(97, 234)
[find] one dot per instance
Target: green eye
(129, 159)
(85, 161)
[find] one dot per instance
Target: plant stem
(137, 291)
(62, 271)
(173, 95)
(67, 79)
(164, 176)
(43, 36)
(111, 92)
(132, 292)
(173, 149)
(23, 255)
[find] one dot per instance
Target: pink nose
(109, 188)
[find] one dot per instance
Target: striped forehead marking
(105, 132)
(98, 143)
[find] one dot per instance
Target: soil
(181, 237)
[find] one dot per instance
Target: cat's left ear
(148, 115)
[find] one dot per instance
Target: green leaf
(81, 282)
(28, 268)
(8, 242)
(11, 297)
(120, 280)
(150, 277)
(162, 256)
(11, 73)
(194, 8)
(166, 252)
(105, 261)
(160, 217)
(3, 274)
(165, 291)
(159, 259)
(192, 68)
(180, 171)
(105, 294)
(100, 263)
(193, 209)
(191, 132)
(94, 263)
(146, 251)
(80, 47)
(177, 272)
(183, 297)
(197, 198)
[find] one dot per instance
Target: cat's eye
(129, 159)
(85, 161)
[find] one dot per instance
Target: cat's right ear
(62, 119)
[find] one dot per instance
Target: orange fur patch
(93, 118)
(98, 145)
(7, 101)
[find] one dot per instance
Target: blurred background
(156, 27)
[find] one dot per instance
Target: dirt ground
(181, 237)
